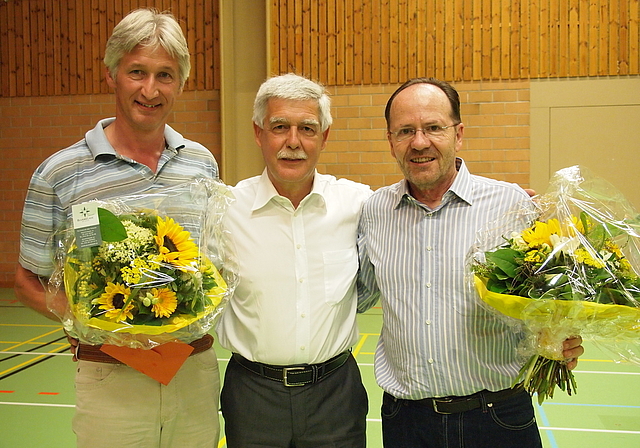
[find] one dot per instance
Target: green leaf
(504, 259)
(498, 287)
(111, 228)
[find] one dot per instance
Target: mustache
(295, 154)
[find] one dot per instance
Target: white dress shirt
(295, 301)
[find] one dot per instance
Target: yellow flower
(540, 233)
(113, 302)
(574, 225)
(613, 248)
(175, 244)
(535, 256)
(163, 301)
(137, 270)
(583, 256)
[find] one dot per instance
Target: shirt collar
(267, 193)
(99, 144)
(461, 187)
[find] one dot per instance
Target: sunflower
(163, 301)
(540, 233)
(114, 301)
(175, 244)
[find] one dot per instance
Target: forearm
(30, 291)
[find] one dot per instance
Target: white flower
(565, 244)
(518, 243)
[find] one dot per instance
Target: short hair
(448, 89)
(149, 28)
(292, 87)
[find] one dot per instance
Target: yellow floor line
(358, 346)
(33, 339)
(31, 360)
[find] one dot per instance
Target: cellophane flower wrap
(567, 266)
(161, 271)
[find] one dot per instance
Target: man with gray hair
(292, 381)
(136, 152)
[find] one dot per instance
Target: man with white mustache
(292, 381)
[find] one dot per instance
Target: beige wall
(589, 122)
(243, 41)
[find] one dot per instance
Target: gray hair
(292, 87)
(149, 28)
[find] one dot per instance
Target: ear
(257, 133)
(459, 135)
(110, 81)
(393, 154)
(325, 138)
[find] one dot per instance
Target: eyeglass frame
(439, 131)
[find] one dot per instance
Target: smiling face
(146, 86)
(291, 141)
(428, 163)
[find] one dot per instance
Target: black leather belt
(454, 405)
(297, 375)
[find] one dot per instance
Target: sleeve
(42, 215)
(368, 291)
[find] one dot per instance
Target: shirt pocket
(340, 269)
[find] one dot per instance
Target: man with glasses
(446, 365)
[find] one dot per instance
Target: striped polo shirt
(437, 340)
(92, 169)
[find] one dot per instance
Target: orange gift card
(160, 363)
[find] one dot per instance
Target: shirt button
(303, 315)
(428, 322)
(429, 248)
(430, 360)
(298, 246)
(302, 347)
(428, 285)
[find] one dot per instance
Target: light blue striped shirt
(91, 169)
(436, 339)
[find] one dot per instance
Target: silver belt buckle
(285, 376)
(435, 401)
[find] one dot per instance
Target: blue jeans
(507, 424)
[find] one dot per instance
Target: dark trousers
(506, 424)
(260, 412)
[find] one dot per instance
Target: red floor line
(48, 393)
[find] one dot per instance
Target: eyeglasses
(432, 131)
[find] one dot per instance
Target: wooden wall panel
(55, 47)
(355, 42)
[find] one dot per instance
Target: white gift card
(86, 224)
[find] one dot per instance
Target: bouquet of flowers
(573, 270)
(143, 270)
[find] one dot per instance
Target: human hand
(73, 343)
(572, 349)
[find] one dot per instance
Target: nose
(420, 139)
(293, 139)
(149, 88)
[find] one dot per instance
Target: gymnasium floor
(37, 395)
